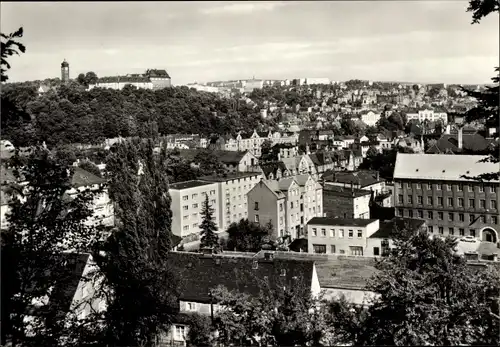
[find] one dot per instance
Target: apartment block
(339, 235)
(232, 190)
(288, 203)
(432, 187)
(346, 202)
(187, 201)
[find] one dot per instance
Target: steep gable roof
(82, 178)
(229, 157)
(449, 143)
(362, 178)
(202, 273)
(157, 73)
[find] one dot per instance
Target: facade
(370, 118)
(119, 82)
(340, 236)
(428, 114)
(65, 71)
(243, 161)
(187, 201)
(317, 80)
(159, 78)
(346, 202)
(252, 141)
(431, 187)
(203, 88)
(253, 84)
(233, 189)
(288, 203)
(365, 180)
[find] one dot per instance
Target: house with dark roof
(323, 161)
(234, 161)
(201, 274)
(360, 179)
(159, 78)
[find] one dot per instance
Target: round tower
(65, 71)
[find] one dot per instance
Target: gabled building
(461, 142)
(322, 161)
(241, 161)
(159, 78)
(346, 202)
(287, 203)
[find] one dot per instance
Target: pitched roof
(82, 178)
(441, 166)
(387, 228)
(201, 273)
(449, 143)
(157, 73)
(272, 167)
(329, 189)
(189, 184)
(362, 178)
(229, 176)
(357, 222)
(229, 157)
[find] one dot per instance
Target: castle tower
(65, 71)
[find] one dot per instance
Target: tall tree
(430, 296)
(209, 238)
(482, 8)
(245, 236)
(44, 223)
(10, 46)
(142, 285)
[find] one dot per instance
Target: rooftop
(442, 167)
(229, 176)
(189, 184)
(82, 178)
(361, 178)
(329, 189)
(358, 222)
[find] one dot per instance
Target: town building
(463, 140)
(346, 202)
(202, 273)
(361, 179)
(433, 187)
(317, 80)
(187, 202)
(65, 71)
(242, 161)
(232, 190)
(119, 82)
(159, 78)
(429, 115)
(339, 235)
(252, 84)
(288, 204)
(370, 118)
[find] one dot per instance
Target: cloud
(242, 8)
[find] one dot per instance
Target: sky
(408, 41)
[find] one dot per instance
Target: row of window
(340, 234)
(186, 207)
(440, 186)
(353, 250)
(244, 180)
(195, 195)
(450, 216)
(451, 231)
(450, 201)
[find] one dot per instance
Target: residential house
(287, 203)
(370, 118)
(203, 273)
(346, 202)
(159, 78)
(323, 161)
(433, 187)
(344, 141)
(187, 202)
(232, 190)
(274, 170)
(238, 161)
(339, 235)
(381, 241)
(410, 142)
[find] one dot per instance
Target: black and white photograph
(250, 173)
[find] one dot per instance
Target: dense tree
(142, 286)
(245, 236)
(44, 223)
(266, 151)
(482, 8)
(383, 162)
(430, 296)
(10, 46)
(90, 167)
(209, 237)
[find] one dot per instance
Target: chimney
(460, 138)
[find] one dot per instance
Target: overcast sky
(414, 41)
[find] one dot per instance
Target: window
(356, 250)
(471, 203)
(451, 231)
(342, 251)
(420, 199)
(257, 218)
(256, 207)
(450, 201)
(428, 185)
(460, 187)
(420, 214)
(400, 185)
(440, 215)
(185, 197)
(179, 333)
(419, 186)
(281, 220)
(410, 213)
(493, 204)
(482, 203)
(360, 234)
(429, 200)
(461, 217)
(341, 233)
(448, 187)
(483, 219)
(492, 189)
(469, 188)
(450, 217)
(440, 201)
(400, 198)
(430, 229)
(185, 227)
(430, 215)
(439, 186)
(185, 207)
(461, 232)
(460, 202)
(332, 232)
(191, 306)
(281, 207)
(195, 205)
(319, 249)
(351, 234)
(400, 212)
(213, 202)
(494, 219)
(185, 217)
(291, 204)
(472, 232)
(471, 218)
(376, 251)
(481, 189)
(410, 199)
(314, 232)
(441, 230)
(323, 232)
(332, 249)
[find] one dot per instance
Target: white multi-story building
(370, 118)
(429, 115)
(317, 80)
(119, 82)
(253, 84)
